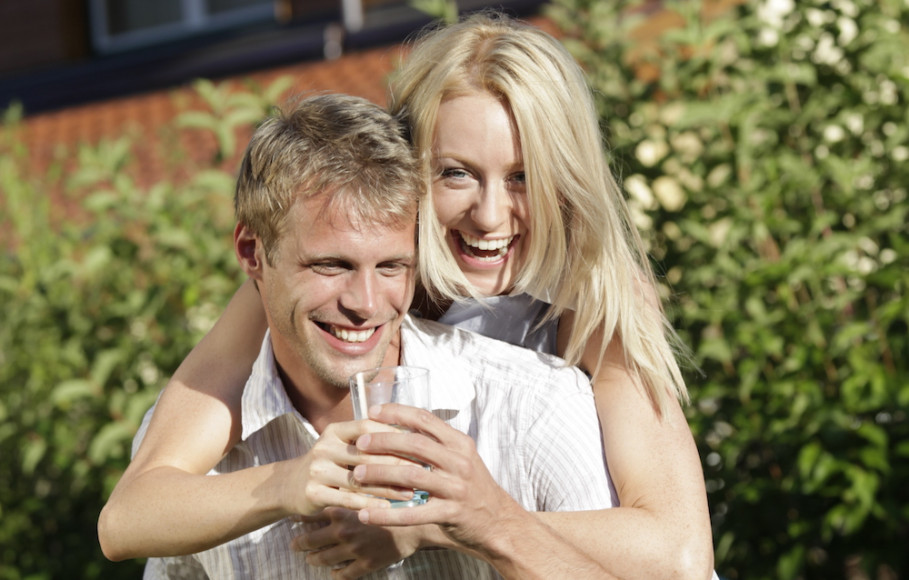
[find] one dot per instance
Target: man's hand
(336, 538)
(465, 501)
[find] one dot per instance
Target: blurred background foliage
(764, 149)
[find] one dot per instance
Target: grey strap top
(511, 319)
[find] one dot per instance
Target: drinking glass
(397, 384)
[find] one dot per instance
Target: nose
(492, 207)
(359, 299)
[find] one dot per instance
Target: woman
(523, 205)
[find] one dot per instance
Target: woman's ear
(249, 251)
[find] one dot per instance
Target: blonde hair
(584, 254)
(338, 145)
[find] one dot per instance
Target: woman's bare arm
(196, 421)
(662, 527)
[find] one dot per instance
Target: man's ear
(249, 251)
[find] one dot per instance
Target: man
(326, 206)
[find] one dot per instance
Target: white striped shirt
(532, 417)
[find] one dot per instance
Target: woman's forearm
(169, 512)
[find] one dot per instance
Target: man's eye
(328, 269)
(394, 269)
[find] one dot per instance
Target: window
(118, 25)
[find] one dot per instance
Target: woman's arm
(196, 421)
(662, 527)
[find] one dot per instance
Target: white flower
(834, 133)
(847, 7)
(900, 153)
(855, 123)
(848, 30)
(718, 175)
(768, 37)
(773, 12)
(889, 93)
(672, 231)
(865, 182)
(718, 231)
(817, 18)
(672, 113)
(859, 263)
(826, 51)
(641, 220)
(669, 193)
(148, 372)
(650, 152)
(639, 191)
(688, 144)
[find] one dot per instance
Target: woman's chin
(489, 286)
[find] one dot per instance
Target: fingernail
(359, 472)
(363, 441)
(363, 515)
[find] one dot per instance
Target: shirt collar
(265, 399)
(430, 345)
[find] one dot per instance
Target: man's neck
(322, 403)
(321, 406)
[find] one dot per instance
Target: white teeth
(501, 244)
(352, 335)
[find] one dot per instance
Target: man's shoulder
(494, 357)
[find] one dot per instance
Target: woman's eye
(454, 173)
(519, 177)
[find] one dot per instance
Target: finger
(411, 418)
(348, 431)
(329, 471)
(330, 556)
(314, 539)
(419, 448)
(314, 520)
(402, 477)
(428, 513)
(350, 500)
(349, 571)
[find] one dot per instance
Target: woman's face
(479, 192)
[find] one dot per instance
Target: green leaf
(33, 452)
(67, 391)
(110, 442)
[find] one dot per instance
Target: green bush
(766, 152)
(98, 308)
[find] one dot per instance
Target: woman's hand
(335, 537)
(323, 478)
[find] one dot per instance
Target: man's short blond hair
(345, 147)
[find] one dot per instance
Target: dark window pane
(128, 15)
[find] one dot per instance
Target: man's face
(336, 293)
